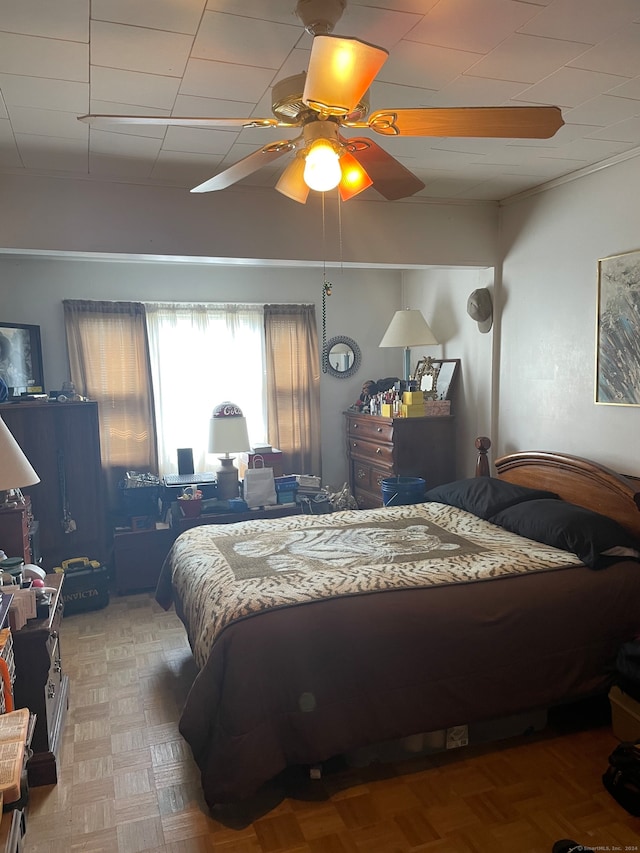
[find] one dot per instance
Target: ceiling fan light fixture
(322, 166)
(340, 72)
(291, 182)
(354, 178)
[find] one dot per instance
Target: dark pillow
(592, 537)
(484, 496)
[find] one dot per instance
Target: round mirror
(341, 357)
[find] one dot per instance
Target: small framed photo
(21, 358)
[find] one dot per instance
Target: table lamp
(15, 470)
(227, 434)
(408, 328)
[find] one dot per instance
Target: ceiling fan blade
(390, 178)
(340, 72)
(107, 121)
(246, 166)
(510, 122)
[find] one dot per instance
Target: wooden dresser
(379, 447)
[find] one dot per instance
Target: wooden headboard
(579, 481)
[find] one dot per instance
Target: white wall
(442, 296)
(551, 243)
(361, 304)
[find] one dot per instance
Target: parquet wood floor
(128, 783)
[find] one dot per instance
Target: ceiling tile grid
(221, 58)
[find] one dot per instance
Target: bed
(318, 635)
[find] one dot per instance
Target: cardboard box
(625, 715)
(437, 407)
(271, 460)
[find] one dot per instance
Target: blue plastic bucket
(397, 491)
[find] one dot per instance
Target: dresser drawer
(371, 428)
(367, 500)
(53, 688)
(377, 454)
(367, 476)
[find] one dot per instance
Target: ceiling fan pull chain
(326, 291)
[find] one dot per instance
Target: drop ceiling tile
(280, 11)
(121, 144)
(623, 131)
(430, 69)
(53, 154)
(9, 156)
(63, 19)
(133, 88)
(525, 58)
(591, 150)
(118, 165)
(47, 123)
(38, 92)
(392, 96)
(195, 140)
(603, 110)
(588, 21)
(43, 57)
(139, 49)
(227, 38)
(420, 7)
(210, 79)
(185, 169)
(382, 27)
(469, 25)
(182, 17)
(628, 89)
(570, 87)
(619, 54)
(468, 91)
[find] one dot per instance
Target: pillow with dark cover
(596, 539)
(484, 496)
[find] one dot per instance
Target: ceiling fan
(332, 96)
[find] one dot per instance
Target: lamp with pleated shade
(407, 329)
(15, 469)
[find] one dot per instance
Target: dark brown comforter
(304, 662)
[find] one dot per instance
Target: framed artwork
(21, 358)
(618, 330)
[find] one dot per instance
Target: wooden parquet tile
(128, 783)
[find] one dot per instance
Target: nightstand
(42, 686)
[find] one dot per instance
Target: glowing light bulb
(322, 167)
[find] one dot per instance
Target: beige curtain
(293, 386)
(109, 363)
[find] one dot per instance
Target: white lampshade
(408, 328)
(228, 432)
(15, 468)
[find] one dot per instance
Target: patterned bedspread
(222, 573)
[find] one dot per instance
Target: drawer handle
(57, 666)
(379, 429)
(354, 444)
(355, 426)
(51, 690)
(361, 474)
(378, 450)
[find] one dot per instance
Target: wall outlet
(457, 736)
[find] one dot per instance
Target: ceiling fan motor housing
(320, 16)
